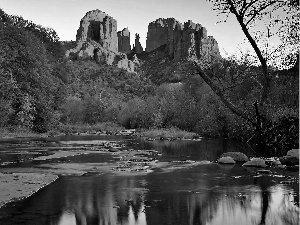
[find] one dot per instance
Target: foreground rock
(16, 186)
(237, 156)
(291, 158)
(293, 153)
(226, 160)
(255, 162)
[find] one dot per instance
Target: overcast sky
(64, 17)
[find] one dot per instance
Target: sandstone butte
(181, 40)
(97, 38)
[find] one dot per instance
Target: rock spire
(124, 41)
(137, 45)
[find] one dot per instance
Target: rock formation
(97, 39)
(124, 41)
(100, 27)
(181, 40)
(137, 45)
(159, 32)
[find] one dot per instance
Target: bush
(72, 110)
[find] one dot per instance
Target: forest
(43, 91)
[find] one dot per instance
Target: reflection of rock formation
(108, 200)
(182, 40)
(124, 41)
(97, 39)
(201, 195)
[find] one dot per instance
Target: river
(179, 193)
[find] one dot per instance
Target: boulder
(293, 153)
(226, 160)
(237, 156)
(291, 158)
(255, 162)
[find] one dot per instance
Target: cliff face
(99, 27)
(181, 40)
(159, 32)
(97, 39)
(124, 41)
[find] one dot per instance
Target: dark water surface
(204, 194)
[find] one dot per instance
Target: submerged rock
(226, 160)
(237, 156)
(289, 161)
(255, 162)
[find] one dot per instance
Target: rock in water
(289, 161)
(255, 162)
(237, 156)
(226, 160)
(291, 158)
(293, 153)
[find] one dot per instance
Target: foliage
(26, 75)
(263, 22)
(41, 90)
(46, 35)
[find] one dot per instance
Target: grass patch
(86, 128)
(18, 132)
(172, 132)
(21, 132)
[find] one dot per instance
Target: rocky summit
(124, 41)
(181, 40)
(97, 38)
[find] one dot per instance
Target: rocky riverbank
(17, 186)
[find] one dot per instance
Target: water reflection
(206, 194)
(208, 149)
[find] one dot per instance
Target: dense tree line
(29, 91)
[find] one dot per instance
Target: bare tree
(278, 17)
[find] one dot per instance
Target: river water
(208, 193)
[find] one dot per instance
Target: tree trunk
(220, 94)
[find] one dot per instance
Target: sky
(64, 17)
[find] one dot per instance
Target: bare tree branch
(220, 94)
